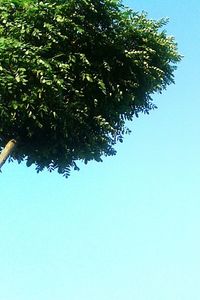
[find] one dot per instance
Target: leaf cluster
(72, 72)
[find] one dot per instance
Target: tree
(72, 72)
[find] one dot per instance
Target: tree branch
(7, 151)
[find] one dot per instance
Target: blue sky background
(127, 228)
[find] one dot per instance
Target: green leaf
(71, 74)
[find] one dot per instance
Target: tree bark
(7, 151)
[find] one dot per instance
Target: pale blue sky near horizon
(127, 228)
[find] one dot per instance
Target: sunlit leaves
(72, 72)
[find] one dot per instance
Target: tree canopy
(72, 72)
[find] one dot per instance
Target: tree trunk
(7, 151)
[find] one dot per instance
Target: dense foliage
(72, 72)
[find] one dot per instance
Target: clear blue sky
(124, 229)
